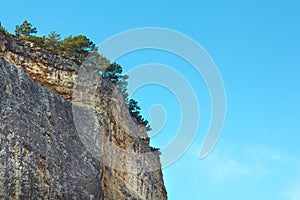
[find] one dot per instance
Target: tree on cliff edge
(77, 47)
(134, 110)
(52, 42)
(80, 48)
(2, 29)
(25, 29)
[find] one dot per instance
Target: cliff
(54, 146)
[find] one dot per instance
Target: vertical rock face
(52, 147)
(41, 155)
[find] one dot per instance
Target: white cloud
(232, 162)
(227, 168)
(248, 171)
(263, 153)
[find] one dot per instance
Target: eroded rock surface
(42, 152)
(41, 156)
(51, 71)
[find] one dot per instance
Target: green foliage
(52, 42)
(122, 86)
(155, 149)
(25, 29)
(38, 41)
(134, 110)
(73, 47)
(80, 48)
(98, 62)
(113, 72)
(110, 71)
(76, 48)
(2, 29)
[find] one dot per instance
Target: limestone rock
(43, 147)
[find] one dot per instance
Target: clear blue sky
(255, 45)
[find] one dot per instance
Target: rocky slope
(55, 145)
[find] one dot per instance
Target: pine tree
(25, 29)
(52, 42)
(2, 29)
(77, 47)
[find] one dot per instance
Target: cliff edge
(43, 151)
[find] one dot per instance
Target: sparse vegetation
(134, 110)
(80, 48)
(156, 149)
(25, 29)
(2, 29)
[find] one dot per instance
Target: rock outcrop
(53, 146)
(51, 71)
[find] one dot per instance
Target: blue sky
(255, 45)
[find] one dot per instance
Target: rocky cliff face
(51, 71)
(40, 154)
(54, 146)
